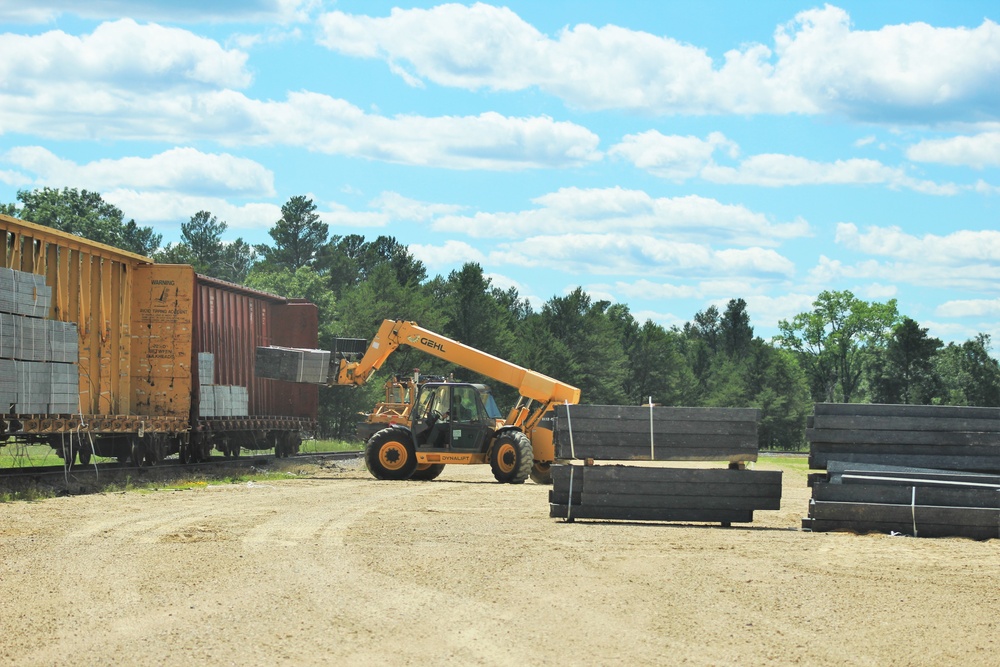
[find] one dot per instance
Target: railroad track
(86, 477)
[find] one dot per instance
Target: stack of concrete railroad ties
(292, 364)
(39, 371)
(599, 489)
(219, 400)
(919, 470)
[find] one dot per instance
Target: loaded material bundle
(655, 433)
(292, 364)
(920, 503)
(662, 494)
(946, 437)
(652, 433)
(917, 470)
(218, 400)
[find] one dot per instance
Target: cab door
(470, 427)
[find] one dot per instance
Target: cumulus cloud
(178, 169)
(169, 208)
(979, 151)
(969, 308)
(674, 157)
(817, 63)
(595, 210)
(679, 158)
(127, 81)
(282, 11)
(448, 255)
(774, 170)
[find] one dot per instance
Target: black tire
(511, 458)
(389, 454)
(425, 472)
(541, 473)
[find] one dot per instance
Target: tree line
(843, 350)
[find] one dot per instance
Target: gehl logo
(421, 340)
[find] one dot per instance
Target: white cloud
(446, 256)
(595, 210)
(903, 73)
(957, 249)
(969, 308)
(180, 169)
(673, 157)
(876, 291)
(173, 10)
(640, 254)
(774, 170)
(153, 208)
(127, 81)
(979, 151)
(398, 207)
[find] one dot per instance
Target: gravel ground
(334, 567)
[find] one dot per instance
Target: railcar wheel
(511, 458)
(389, 454)
(425, 472)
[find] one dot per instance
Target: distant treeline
(843, 350)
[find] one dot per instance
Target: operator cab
(454, 416)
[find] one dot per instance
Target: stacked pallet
(292, 364)
(915, 470)
(662, 494)
(24, 293)
(649, 433)
(38, 357)
(217, 400)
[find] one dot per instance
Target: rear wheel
(511, 458)
(427, 471)
(390, 455)
(541, 473)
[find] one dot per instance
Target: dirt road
(333, 567)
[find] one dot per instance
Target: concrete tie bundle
(39, 372)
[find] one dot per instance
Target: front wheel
(511, 458)
(389, 454)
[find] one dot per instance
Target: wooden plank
(631, 474)
(911, 450)
(761, 489)
(731, 455)
(861, 436)
(678, 440)
(661, 427)
(903, 495)
(946, 479)
(901, 410)
(642, 514)
(703, 502)
(660, 413)
(895, 423)
(988, 464)
(839, 467)
(905, 514)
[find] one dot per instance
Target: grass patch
(19, 455)
(320, 446)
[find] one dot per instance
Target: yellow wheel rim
(506, 457)
(392, 456)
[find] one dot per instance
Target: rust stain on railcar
(161, 340)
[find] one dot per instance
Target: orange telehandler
(458, 422)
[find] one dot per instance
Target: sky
(668, 155)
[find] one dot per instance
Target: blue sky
(666, 155)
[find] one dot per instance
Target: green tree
(201, 246)
(85, 214)
(599, 365)
(298, 236)
(835, 341)
(904, 371)
(969, 374)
